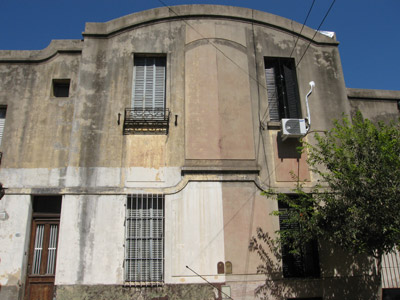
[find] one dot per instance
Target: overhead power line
(305, 21)
(210, 283)
(322, 22)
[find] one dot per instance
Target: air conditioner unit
(293, 128)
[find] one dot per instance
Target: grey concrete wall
(218, 116)
(376, 105)
(14, 239)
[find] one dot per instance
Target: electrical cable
(305, 21)
(316, 31)
(209, 283)
(217, 48)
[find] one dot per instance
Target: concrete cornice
(366, 94)
(36, 56)
(185, 12)
(125, 191)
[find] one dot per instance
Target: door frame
(46, 219)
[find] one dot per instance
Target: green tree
(360, 163)
(357, 203)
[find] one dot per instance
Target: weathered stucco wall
(194, 233)
(219, 152)
(91, 240)
(110, 292)
(218, 104)
(376, 105)
(14, 238)
(38, 125)
(215, 86)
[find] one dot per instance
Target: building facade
(134, 159)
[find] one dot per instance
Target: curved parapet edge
(35, 56)
(184, 12)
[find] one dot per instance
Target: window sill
(273, 125)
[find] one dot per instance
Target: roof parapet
(164, 14)
(35, 56)
(368, 94)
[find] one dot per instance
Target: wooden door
(42, 259)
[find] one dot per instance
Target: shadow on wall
(288, 148)
(347, 278)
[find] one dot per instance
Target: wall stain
(114, 292)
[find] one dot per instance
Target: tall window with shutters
(149, 83)
(304, 264)
(282, 88)
(144, 240)
(148, 113)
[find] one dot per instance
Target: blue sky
(368, 30)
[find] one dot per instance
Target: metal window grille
(144, 239)
(391, 270)
(37, 252)
(52, 250)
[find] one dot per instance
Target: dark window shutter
(292, 94)
(311, 261)
(273, 100)
(292, 264)
(304, 264)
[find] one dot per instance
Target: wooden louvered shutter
(273, 100)
(311, 259)
(292, 264)
(139, 83)
(292, 94)
(159, 83)
(149, 83)
(305, 264)
(2, 122)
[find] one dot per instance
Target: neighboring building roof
(367, 94)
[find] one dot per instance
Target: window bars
(41, 248)
(52, 250)
(144, 240)
(37, 254)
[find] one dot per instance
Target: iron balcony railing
(146, 121)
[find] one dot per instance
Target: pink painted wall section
(288, 162)
(218, 115)
(244, 210)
